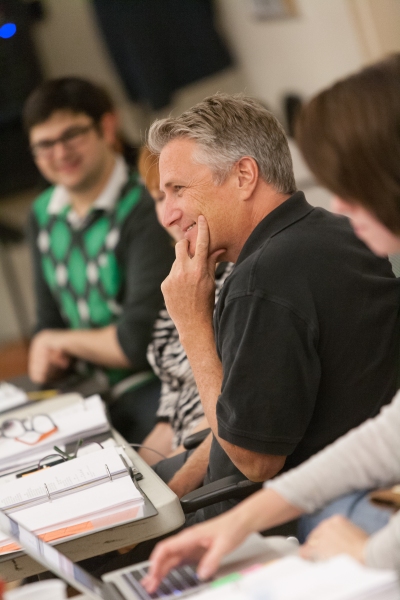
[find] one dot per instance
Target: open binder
(78, 420)
(81, 495)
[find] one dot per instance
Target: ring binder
(108, 471)
(47, 492)
(50, 496)
(55, 501)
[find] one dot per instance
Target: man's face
(77, 160)
(190, 191)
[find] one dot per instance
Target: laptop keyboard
(179, 581)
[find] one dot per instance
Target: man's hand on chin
(189, 289)
(47, 360)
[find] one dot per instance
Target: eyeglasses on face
(70, 139)
(28, 431)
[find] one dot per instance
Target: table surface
(170, 515)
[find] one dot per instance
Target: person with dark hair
(99, 253)
(350, 137)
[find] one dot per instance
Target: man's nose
(170, 214)
(60, 150)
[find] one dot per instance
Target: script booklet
(293, 578)
(81, 419)
(90, 492)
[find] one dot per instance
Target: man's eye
(178, 188)
(44, 145)
(71, 134)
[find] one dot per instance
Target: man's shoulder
(301, 258)
(40, 206)
(300, 245)
(318, 237)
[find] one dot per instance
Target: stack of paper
(79, 420)
(292, 578)
(11, 396)
(73, 497)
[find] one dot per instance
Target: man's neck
(265, 199)
(82, 200)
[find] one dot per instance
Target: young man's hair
(227, 128)
(67, 93)
(349, 135)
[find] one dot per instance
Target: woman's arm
(210, 541)
(366, 457)
(203, 424)
(158, 442)
(382, 549)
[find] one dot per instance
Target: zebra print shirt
(179, 401)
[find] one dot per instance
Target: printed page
(292, 578)
(71, 473)
(74, 507)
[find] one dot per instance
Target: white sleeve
(366, 457)
(383, 548)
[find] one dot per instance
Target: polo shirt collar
(61, 201)
(293, 209)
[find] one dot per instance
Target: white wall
(300, 54)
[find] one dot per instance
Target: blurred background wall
(325, 40)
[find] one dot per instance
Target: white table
(170, 515)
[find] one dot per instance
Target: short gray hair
(226, 128)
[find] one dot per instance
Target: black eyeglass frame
(46, 147)
(23, 422)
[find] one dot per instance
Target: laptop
(124, 584)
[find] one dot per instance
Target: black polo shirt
(306, 329)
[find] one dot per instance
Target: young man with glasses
(99, 253)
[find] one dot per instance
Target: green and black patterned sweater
(108, 271)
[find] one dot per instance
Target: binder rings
(90, 491)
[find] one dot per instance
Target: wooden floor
(13, 359)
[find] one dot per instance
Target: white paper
(11, 396)
(292, 578)
(79, 505)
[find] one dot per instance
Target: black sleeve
(271, 375)
(147, 255)
(48, 315)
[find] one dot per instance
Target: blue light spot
(7, 30)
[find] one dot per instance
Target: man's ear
(108, 127)
(247, 173)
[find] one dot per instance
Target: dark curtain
(160, 46)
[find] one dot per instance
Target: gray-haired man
(290, 363)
